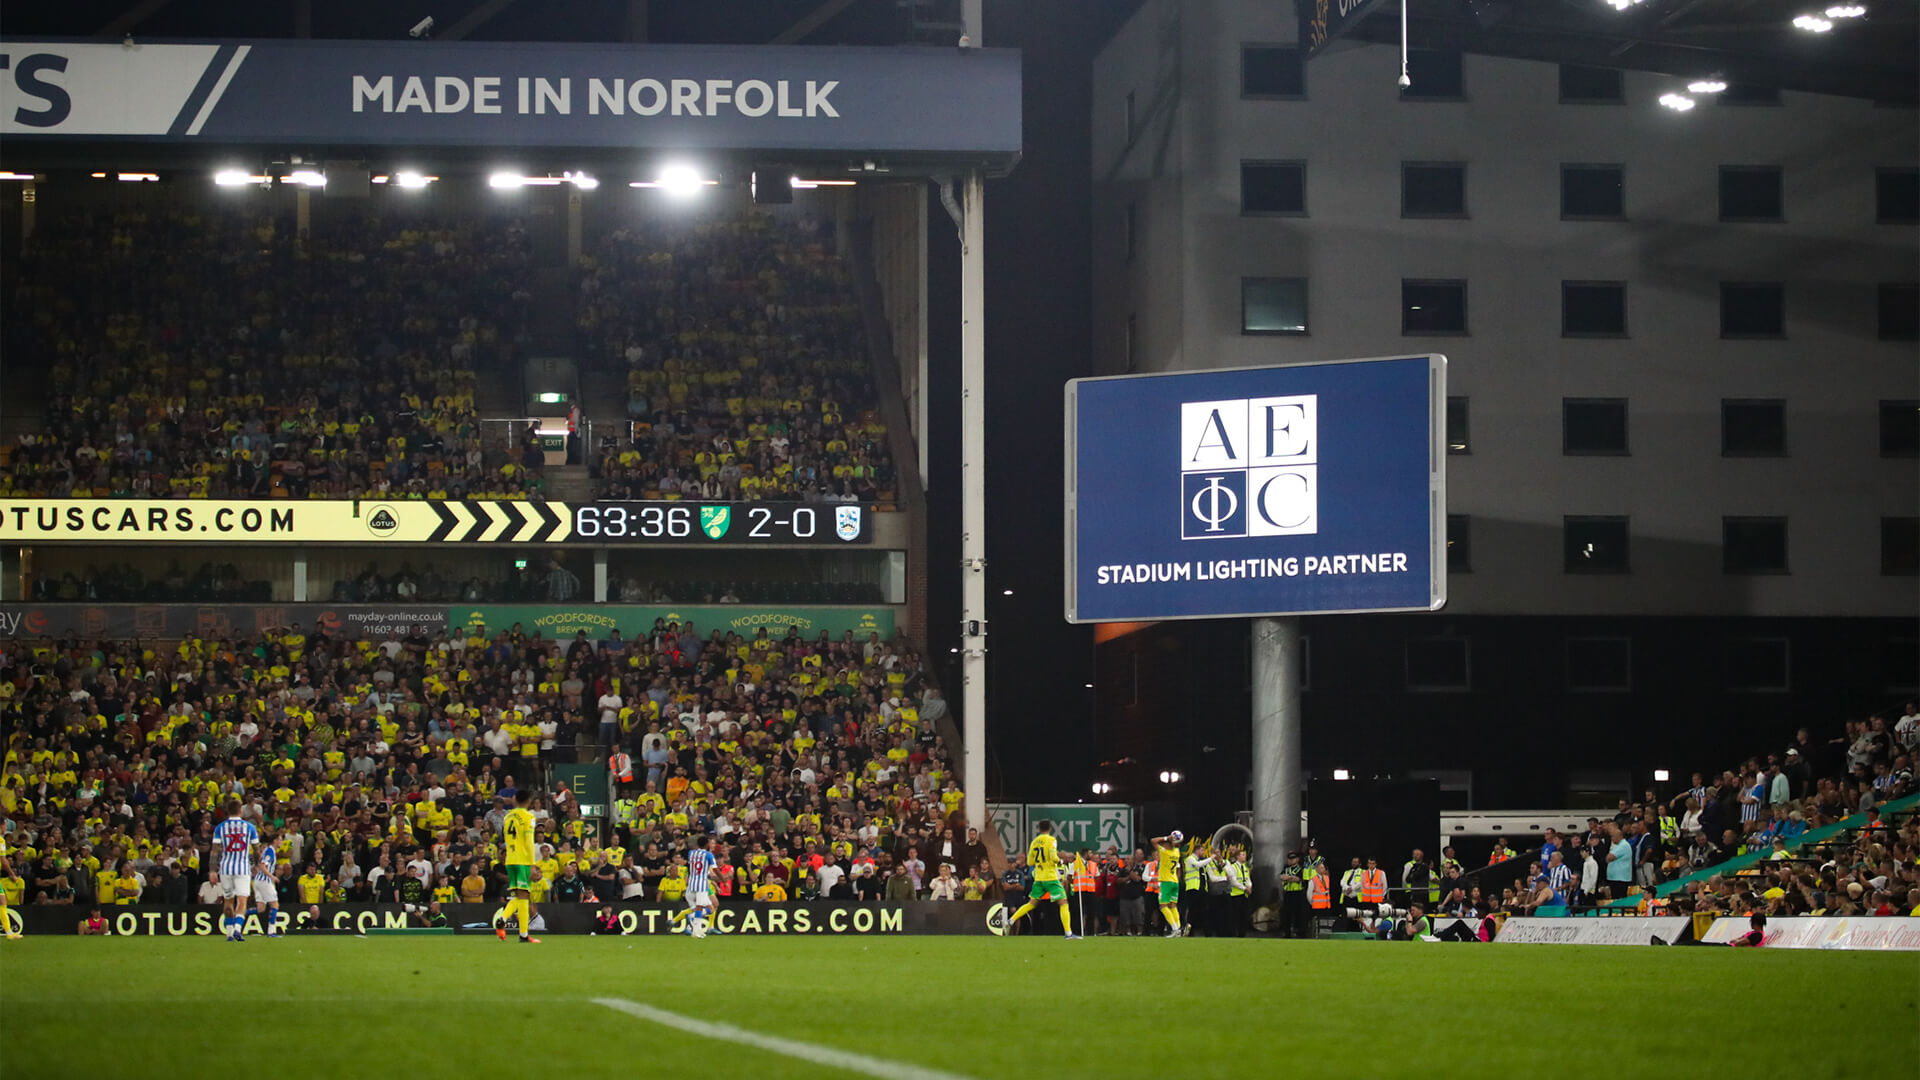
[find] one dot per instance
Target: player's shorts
(266, 891)
(236, 885)
(1169, 892)
(519, 877)
(702, 899)
(1047, 890)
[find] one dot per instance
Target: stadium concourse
(381, 771)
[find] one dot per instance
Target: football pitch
(934, 1008)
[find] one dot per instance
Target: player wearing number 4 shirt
(517, 830)
(235, 840)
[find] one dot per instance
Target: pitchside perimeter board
(1307, 489)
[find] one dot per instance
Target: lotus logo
(382, 522)
(714, 520)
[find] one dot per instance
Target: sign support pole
(1277, 762)
(973, 492)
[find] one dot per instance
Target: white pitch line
(819, 1055)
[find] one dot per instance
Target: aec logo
(1249, 467)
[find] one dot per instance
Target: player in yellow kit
(1043, 858)
(6, 917)
(518, 832)
(1168, 849)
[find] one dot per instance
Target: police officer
(1293, 898)
(1239, 884)
(1418, 879)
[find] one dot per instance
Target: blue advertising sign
(1306, 489)
(415, 93)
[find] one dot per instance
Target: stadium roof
(1873, 54)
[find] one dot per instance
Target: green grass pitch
(471, 1007)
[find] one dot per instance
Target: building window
(1593, 426)
(1129, 119)
(1433, 307)
(1443, 663)
(1595, 545)
(1899, 311)
(1900, 546)
(1459, 432)
(1132, 229)
(1900, 429)
(1753, 545)
(1273, 187)
(1272, 71)
(1591, 86)
(1459, 543)
(1593, 192)
(1758, 665)
(1433, 189)
(1900, 665)
(1273, 305)
(1599, 664)
(1748, 94)
(1896, 196)
(1753, 427)
(1750, 193)
(1437, 74)
(1753, 310)
(1593, 309)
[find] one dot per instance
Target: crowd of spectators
(1762, 809)
(124, 583)
(207, 352)
(381, 769)
(745, 361)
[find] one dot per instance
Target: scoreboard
(450, 521)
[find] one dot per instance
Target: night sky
(1037, 303)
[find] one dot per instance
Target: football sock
(1066, 919)
(1022, 913)
(1172, 915)
(520, 914)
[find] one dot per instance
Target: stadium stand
(746, 369)
(1816, 828)
(379, 769)
(207, 351)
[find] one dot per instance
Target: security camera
(1404, 80)
(422, 28)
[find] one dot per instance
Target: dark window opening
(1272, 71)
(1437, 189)
(1753, 310)
(1459, 543)
(1436, 74)
(1593, 425)
(1459, 430)
(1273, 187)
(1433, 307)
(1750, 193)
(1899, 312)
(1753, 545)
(1593, 309)
(1592, 191)
(1591, 85)
(1595, 545)
(1753, 427)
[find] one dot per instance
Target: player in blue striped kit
(700, 909)
(266, 885)
(234, 841)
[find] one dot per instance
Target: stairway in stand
(569, 484)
